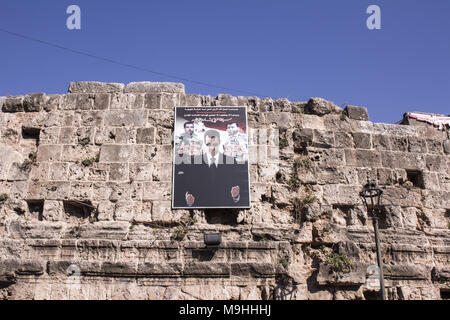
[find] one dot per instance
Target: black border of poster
(246, 192)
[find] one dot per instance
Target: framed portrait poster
(210, 158)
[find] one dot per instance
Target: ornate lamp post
(371, 196)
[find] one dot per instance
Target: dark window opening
(78, 209)
(416, 178)
(31, 133)
(222, 216)
(36, 207)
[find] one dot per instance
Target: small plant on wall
(340, 263)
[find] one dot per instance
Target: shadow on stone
(203, 254)
(222, 216)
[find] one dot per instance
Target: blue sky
(282, 49)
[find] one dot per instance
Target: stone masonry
(85, 202)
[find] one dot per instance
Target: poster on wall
(210, 158)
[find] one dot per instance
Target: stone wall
(85, 202)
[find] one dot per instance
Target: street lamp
(371, 196)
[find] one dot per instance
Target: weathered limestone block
(313, 122)
(119, 118)
(356, 113)
(416, 144)
(78, 153)
(154, 87)
(49, 153)
(13, 104)
(407, 272)
(34, 102)
(53, 210)
(447, 146)
(320, 107)
(323, 139)
(118, 153)
(94, 87)
(106, 211)
(202, 269)
(434, 146)
(52, 102)
(40, 171)
(141, 171)
(258, 270)
(280, 105)
(146, 269)
(399, 143)
(410, 161)
(162, 213)
(8, 136)
(92, 118)
(393, 217)
(161, 118)
(266, 104)
(157, 191)
(326, 157)
(190, 100)
(80, 190)
(436, 199)
(127, 101)
(402, 197)
(226, 100)
(98, 172)
(362, 140)
(409, 216)
(436, 163)
(142, 211)
(145, 136)
(8, 156)
(355, 277)
(118, 172)
(343, 139)
(162, 172)
(341, 194)
(78, 172)
(49, 135)
(441, 273)
(363, 158)
(431, 181)
(19, 171)
(280, 119)
(102, 101)
(124, 211)
(113, 191)
(381, 142)
(121, 269)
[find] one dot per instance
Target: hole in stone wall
(31, 133)
(416, 178)
(372, 295)
(36, 207)
(222, 216)
(445, 294)
(78, 209)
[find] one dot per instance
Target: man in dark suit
(212, 179)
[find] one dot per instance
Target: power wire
(125, 64)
